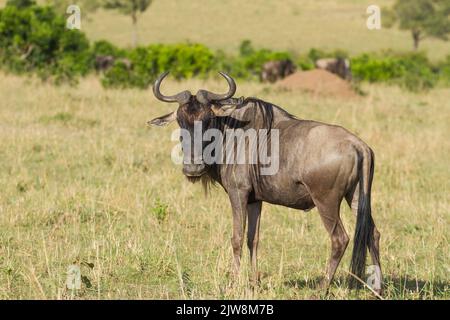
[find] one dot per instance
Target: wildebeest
(319, 166)
(103, 63)
(339, 66)
(276, 70)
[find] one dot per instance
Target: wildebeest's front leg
(254, 216)
(238, 201)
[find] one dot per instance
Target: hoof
(324, 287)
(255, 280)
(379, 292)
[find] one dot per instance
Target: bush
(444, 71)
(419, 73)
(308, 61)
(412, 70)
(246, 48)
(316, 54)
(105, 48)
(183, 61)
(375, 69)
(118, 76)
(35, 39)
(254, 62)
(249, 63)
(304, 62)
(73, 55)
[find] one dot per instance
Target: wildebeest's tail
(363, 238)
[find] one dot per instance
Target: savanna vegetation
(34, 39)
(84, 181)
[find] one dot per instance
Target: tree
(424, 18)
(132, 8)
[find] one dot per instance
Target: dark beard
(206, 179)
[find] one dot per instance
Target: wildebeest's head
(194, 111)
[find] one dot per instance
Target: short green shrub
(182, 60)
(304, 62)
(254, 62)
(105, 48)
(118, 76)
(249, 63)
(419, 73)
(375, 69)
(160, 210)
(444, 71)
(316, 54)
(34, 39)
(410, 70)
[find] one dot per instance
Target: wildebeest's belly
(292, 194)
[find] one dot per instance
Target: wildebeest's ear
(163, 120)
(223, 111)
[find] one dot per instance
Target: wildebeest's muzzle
(199, 108)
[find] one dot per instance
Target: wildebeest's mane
(255, 107)
(266, 111)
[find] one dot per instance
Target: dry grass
(85, 181)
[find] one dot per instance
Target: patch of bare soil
(318, 82)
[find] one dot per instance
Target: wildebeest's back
(308, 149)
(329, 159)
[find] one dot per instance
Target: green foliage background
(34, 39)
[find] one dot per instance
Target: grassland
(84, 181)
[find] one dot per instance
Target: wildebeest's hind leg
(352, 200)
(254, 216)
(329, 213)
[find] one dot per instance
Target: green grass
(84, 181)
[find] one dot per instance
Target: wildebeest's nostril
(193, 169)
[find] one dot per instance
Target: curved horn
(208, 96)
(181, 98)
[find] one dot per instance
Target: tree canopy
(424, 18)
